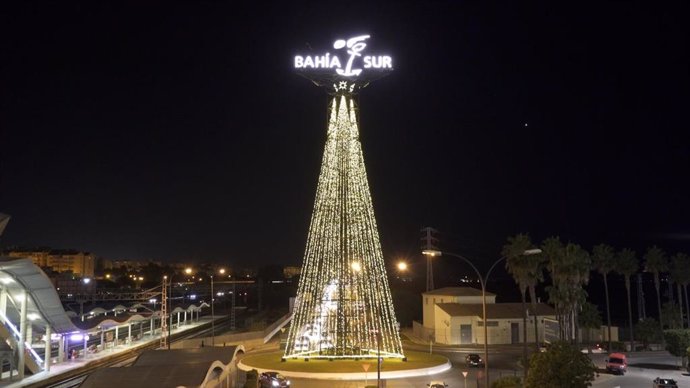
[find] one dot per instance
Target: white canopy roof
(21, 276)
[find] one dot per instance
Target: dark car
(273, 380)
(664, 383)
(474, 360)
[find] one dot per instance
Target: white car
(437, 384)
(595, 349)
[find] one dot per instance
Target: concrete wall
(250, 340)
(447, 329)
(419, 331)
(598, 335)
(430, 300)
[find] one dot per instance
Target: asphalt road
(644, 367)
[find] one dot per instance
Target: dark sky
(180, 131)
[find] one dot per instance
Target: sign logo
(353, 47)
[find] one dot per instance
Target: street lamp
(213, 327)
(402, 266)
(482, 282)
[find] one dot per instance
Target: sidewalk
(63, 367)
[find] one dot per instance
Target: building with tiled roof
(453, 315)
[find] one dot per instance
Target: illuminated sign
(353, 65)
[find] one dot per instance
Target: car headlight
(274, 383)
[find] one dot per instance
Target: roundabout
(417, 364)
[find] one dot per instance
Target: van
(617, 363)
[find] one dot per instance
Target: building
(291, 271)
(80, 263)
(453, 315)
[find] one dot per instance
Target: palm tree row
(569, 266)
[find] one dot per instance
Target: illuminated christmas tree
(343, 299)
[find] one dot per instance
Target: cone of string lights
(343, 307)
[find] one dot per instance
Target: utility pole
(429, 242)
(164, 314)
(213, 317)
(232, 307)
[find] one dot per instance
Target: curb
(399, 374)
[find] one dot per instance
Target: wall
(501, 334)
(430, 300)
(424, 333)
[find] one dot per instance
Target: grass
(271, 361)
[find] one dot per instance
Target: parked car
(474, 360)
(617, 363)
(273, 380)
(437, 384)
(664, 383)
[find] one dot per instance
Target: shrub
(507, 382)
(617, 346)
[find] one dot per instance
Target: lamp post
(213, 327)
(482, 281)
(378, 357)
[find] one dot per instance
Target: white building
(453, 315)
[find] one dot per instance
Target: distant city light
(86, 280)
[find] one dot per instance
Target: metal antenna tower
(429, 244)
(164, 314)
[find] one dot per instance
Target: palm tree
(680, 268)
(627, 265)
(535, 264)
(655, 262)
(514, 251)
(516, 264)
(603, 261)
(569, 267)
(552, 249)
(581, 265)
(686, 280)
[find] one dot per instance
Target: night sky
(181, 132)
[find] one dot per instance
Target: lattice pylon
(164, 314)
(343, 298)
